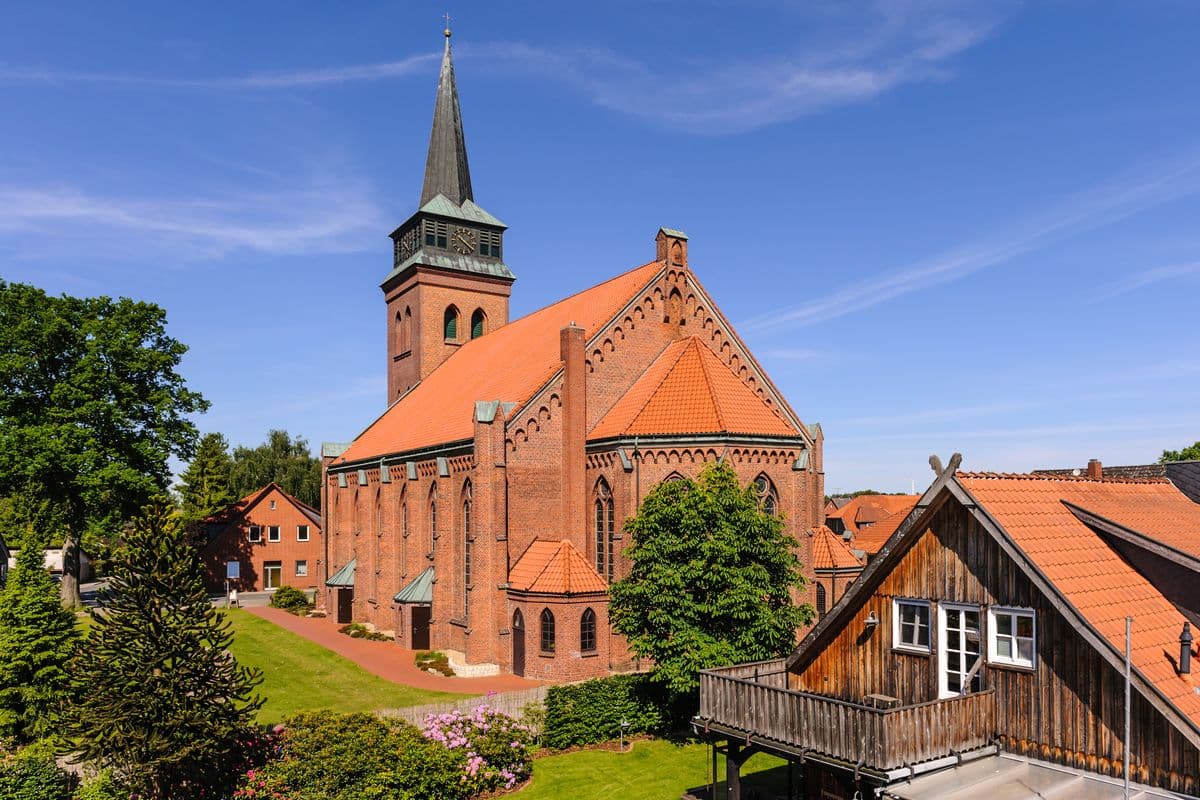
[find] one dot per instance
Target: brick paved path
(385, 659)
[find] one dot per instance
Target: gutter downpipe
(1128, 636)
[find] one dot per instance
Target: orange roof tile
(509, 364)
(830, 551)
(555, 568)
(1089, 574)
(688, 389)
(872, 538)
(870, 508)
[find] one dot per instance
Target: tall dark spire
(446, 170)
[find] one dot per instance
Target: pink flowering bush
(494, 747)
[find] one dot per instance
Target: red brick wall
(233, 545)
(567, 662)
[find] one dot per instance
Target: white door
(959, 649)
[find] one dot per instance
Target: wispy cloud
(325, 214)
(1147, 277)
(1118, 199)
(879, 46)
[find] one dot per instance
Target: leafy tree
(159, 698)
(1190, 453)
(37, 634)
(281, 459)
(205, 483)
(91, 408)
(711, 580)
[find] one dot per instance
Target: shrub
(290, 599)
(495, 747)
(592, 711)
(426, 660)
(102, 787)
(356, 630)
(32, 774)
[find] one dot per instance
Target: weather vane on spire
(446, 16)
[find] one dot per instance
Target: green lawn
(653, 770)
(301, 676)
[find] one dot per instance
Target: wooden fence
(511, 703)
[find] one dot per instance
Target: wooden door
(518, 637)
(420, 627)
(345, 606)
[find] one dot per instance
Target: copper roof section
(446, 170)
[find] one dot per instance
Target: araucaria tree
(37, 635)
(91, 408)
(159, 697)
(711, 581)
(204, 488)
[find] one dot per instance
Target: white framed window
(301, 569)
(960, 650)
(1011, 636)
(272, 505)
(272, 533)
(255, 534)
(910, 625)
(301, 533)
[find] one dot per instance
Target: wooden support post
(791, 780)
(712, 784)
(733, 772)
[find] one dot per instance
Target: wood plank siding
(1069, 709)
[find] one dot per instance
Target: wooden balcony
(753, 700)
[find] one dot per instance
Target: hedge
(32, 774)
(592, 711)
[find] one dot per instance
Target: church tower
(448, 283)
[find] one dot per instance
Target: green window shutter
(451, 323)
(477, 324)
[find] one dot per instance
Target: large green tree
(159, 697)
(204, 486)
(281, 459)
(1189, 453)
(711, 582)
(91, 408)
(37, 635)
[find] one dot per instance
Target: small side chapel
(482, 513)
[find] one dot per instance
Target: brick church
(482, 513)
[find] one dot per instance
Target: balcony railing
(753, 699)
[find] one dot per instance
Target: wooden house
(985, 650)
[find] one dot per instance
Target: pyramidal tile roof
(1089, 574)
(509, 364)
(688, 389)
(830, 551)
(549, 567)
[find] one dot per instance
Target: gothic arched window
(605, 534)
(768, 500)
(822, 604)
(466, 532)
(477, 320)
(547, 631)
(450, 323)
(433, 529)
(587, 631)
(402, 525)
(406, 331)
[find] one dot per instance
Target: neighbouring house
(1184, 474)
(983, 653)
(275, 539)
(860, 513)
(869, 540)
(53, 559)
(481, 514)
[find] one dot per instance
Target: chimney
(1185, 649)
(574, 433)
(1095, 468)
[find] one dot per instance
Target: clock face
(463, 240)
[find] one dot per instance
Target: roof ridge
(666, 374)
(694, 340)
(1037, 476)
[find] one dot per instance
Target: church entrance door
(518, 637)
(345, 606)
(420, 627)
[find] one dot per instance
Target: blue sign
(232, 570)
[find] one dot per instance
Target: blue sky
(940, 226)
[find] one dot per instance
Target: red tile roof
(509, 364)
(555, 568)
(1087, 572)
(246, 503)
(830, 551)
(688, 389)
(870, 508)
(872, 538)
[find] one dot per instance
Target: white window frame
(302, 568)
(993, 631)
(254, 535)
(944, 692)
(302, 533)
(274, 534)
(904, 647)
(272, 505)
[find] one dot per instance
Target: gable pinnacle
(446, 170)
